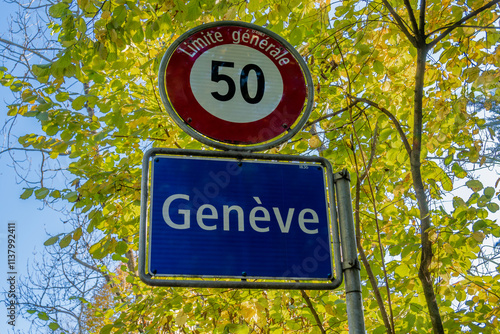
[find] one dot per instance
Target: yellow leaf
(181, 318)
(82, 3)
(113, 35)
(314, 142)
(448, 248)
(105, 14)
(478, 236)
(386, 86)
(398, 190)
(247, 311)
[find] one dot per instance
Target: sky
(32, 223)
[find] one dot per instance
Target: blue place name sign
(239, 219)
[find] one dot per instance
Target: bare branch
(333, 114)
(25, 49)
(91, 267)
(29, 150)
(393, 119)
(455, 25)
(313, 311)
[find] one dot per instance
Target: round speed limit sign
(235, 85)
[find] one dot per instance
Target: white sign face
(236, 83)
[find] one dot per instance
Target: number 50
(231, 91)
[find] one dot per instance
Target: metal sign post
(350, 262)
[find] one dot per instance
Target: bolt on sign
(235, 85)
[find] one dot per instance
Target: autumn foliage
(394, 82)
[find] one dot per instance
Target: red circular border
(183, 102)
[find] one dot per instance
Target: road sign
(233, 218)
(236, 85)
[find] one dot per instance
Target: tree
(62, 282)
(393, 82)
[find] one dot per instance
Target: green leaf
(474, 185)
(458, 202)
(43, 116)
(296, 36)
(43, 316)
(402, 270)
(106, 329)
(458, 171)
(446, 182)
(55, 194)
(138, 36)
(378, 67)
(54, 326)
(65, 241)
(493, 207)
(58, 10)
(52, 130)
(62, 96)
(77, 234)
(41, 70)
(448, 159)
(471, 73)
(41, 193)
(79, 102)
(51, 241)
(121, 247)
(71, 196)
(81, 25)
(489, 192)
(100, 249)
(27, 193)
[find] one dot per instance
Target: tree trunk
(424, 274)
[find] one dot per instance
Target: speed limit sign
(235, 85)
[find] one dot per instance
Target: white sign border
(291, 131)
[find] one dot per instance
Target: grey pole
(350, 263)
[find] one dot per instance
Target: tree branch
(25, 49)
(389, 323)
(392, 118)
(29, 150)
(426, 257)
(333, 114)
(372, 153)
(86, 265)
(401, 24)
(413, 20)
(421, 32)
(455, 25)
(313, 311)
(468, 26)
